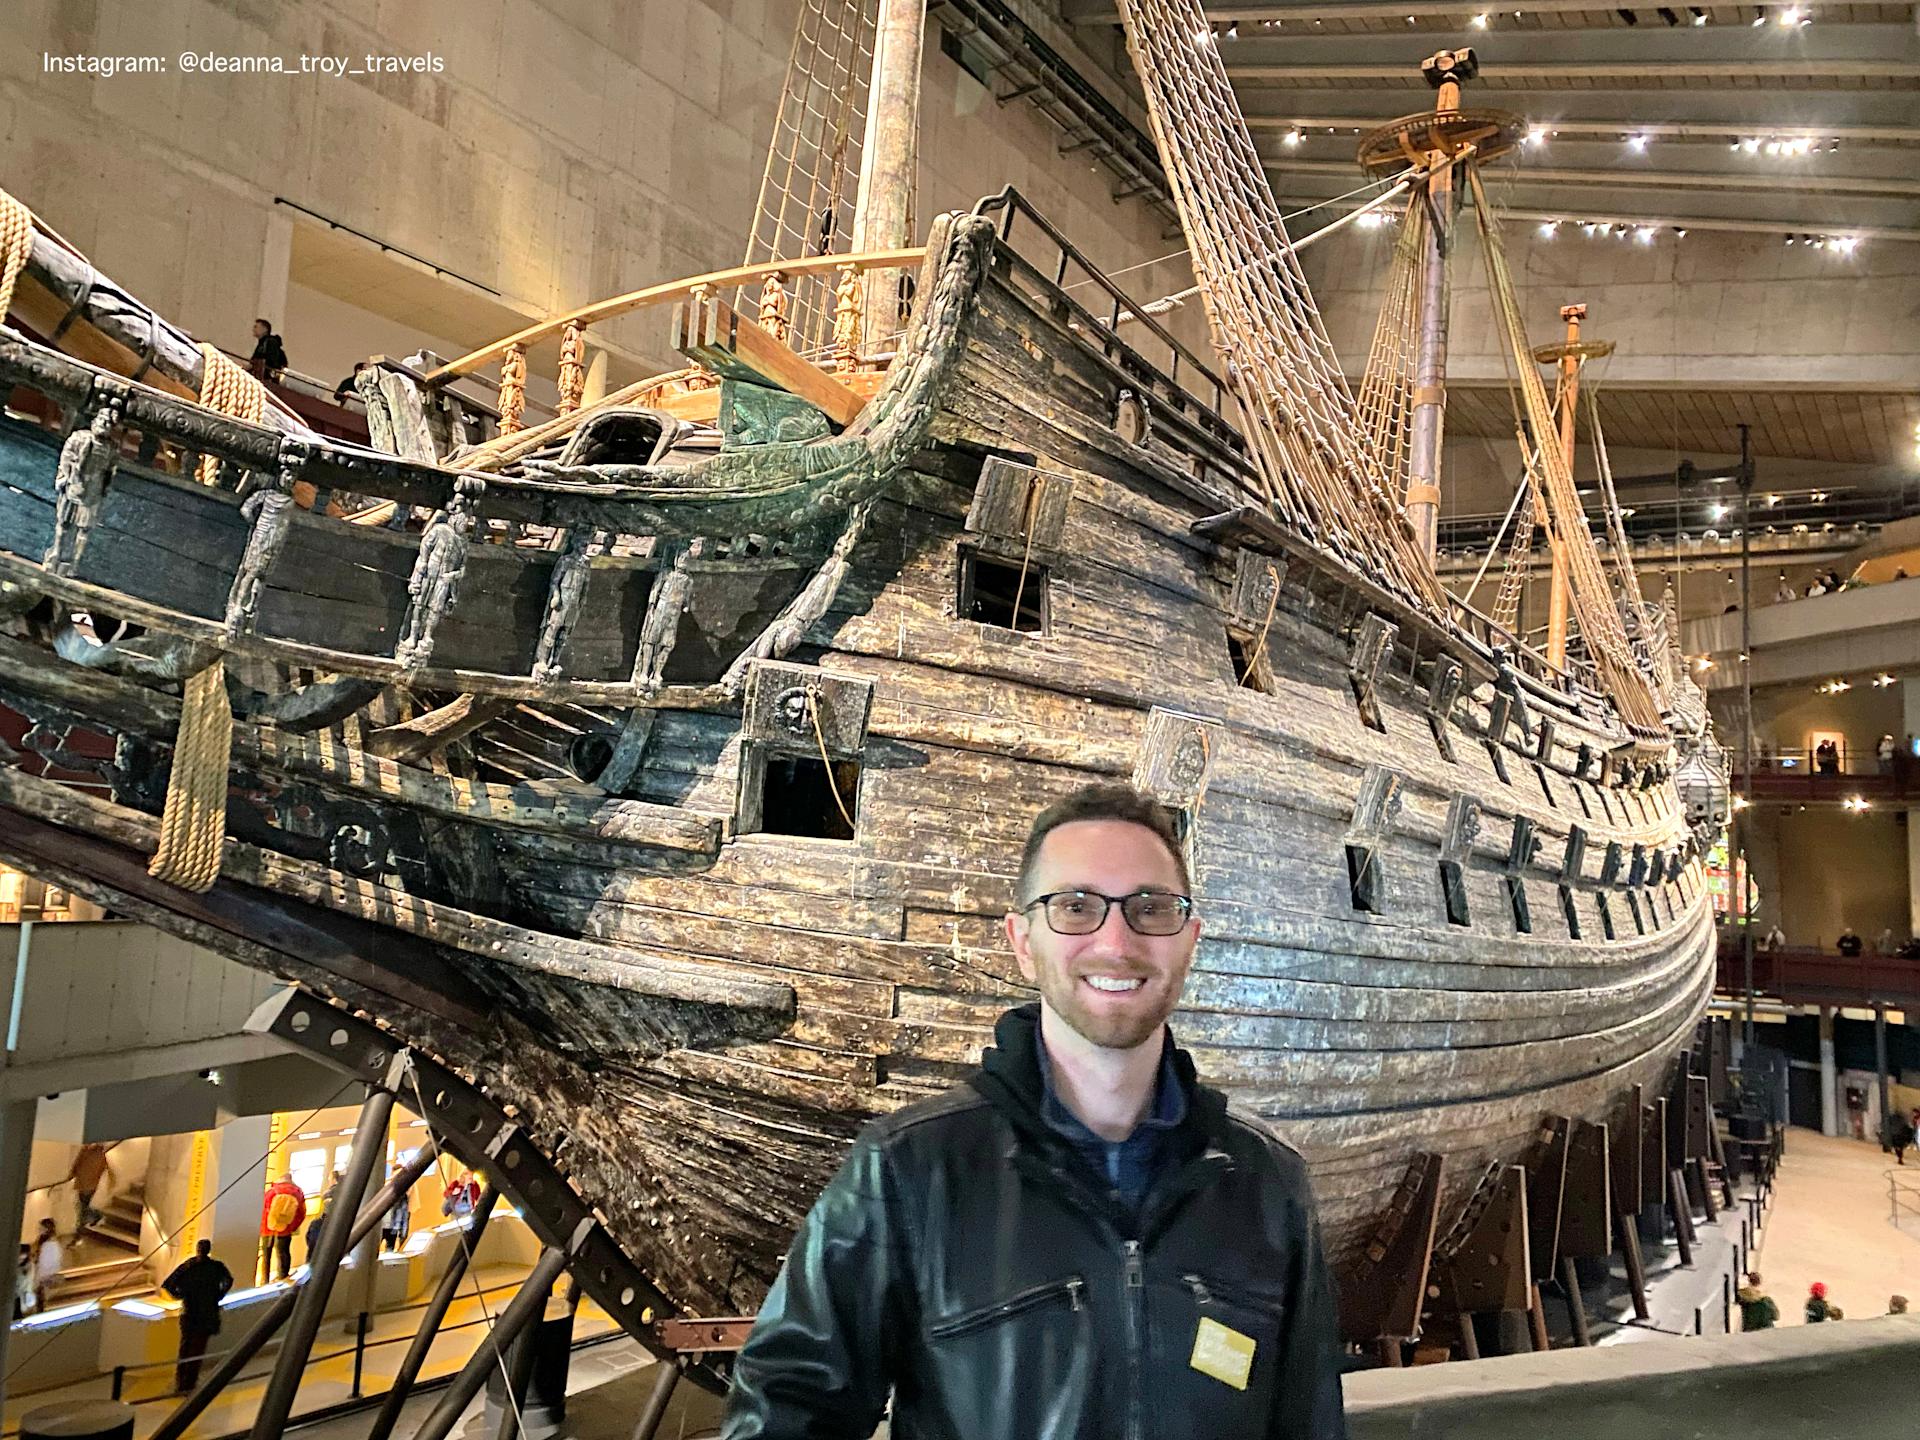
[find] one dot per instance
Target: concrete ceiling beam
(1717, 132)
(1223, 12)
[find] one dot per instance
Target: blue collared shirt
(1129, 1166)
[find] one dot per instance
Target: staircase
(103, 1261)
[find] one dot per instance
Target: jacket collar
(1009, 1079)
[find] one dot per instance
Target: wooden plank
(712, 333)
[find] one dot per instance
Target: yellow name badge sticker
(1223, 1353)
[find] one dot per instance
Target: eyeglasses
(1081, 912)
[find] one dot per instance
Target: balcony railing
(1852, 776)
(1805, 976)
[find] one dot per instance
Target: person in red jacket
(282, 1212)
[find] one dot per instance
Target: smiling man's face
(1114, 988)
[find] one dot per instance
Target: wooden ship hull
(1445, 893)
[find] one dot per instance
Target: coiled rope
(16, 246)
(193, 827)
(225, 387)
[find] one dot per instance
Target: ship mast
(1570, 355)
(889, 157)
(1445, 71)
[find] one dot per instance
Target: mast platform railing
(569, 329)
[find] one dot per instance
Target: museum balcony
(1803, 975)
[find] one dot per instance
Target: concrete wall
(1822, 869)
(567, 150)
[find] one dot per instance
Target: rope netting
(1384, 406)
(1317, 465)
(1601, 626)
(811, 180)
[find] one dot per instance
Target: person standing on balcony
(199, 1283)
(1849, 944)
(1884, 753)
(269, 356)
(1784, 592)
(282, 1212)
(1776, 938)
(1826, 758)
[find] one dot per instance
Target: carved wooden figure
(86, 459)
(573, 369)
(437, 572)
(773, 307)
(513, 389)
(269, 511)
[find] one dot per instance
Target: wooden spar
(1557, 595)
(1444, 71)
(87, 315)
(899, 259)
(709, 332)
(889, 157)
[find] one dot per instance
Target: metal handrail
(1011, 204)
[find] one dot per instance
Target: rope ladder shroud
(1317, 460)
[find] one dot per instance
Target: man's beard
(1112, 1027)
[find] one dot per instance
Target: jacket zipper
(1136, 1286)
(1073, 1288)
(1205, 1292)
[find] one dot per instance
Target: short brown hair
(1104, 802)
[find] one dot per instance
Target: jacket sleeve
(1309, 1404)
(822, 1355)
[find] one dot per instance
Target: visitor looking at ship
(1081, 1239)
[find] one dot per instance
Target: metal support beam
(430, 1321)
(653, 1409)
(519, 1370)
(526, 1307)
(1880, 1071)
(270, 1321)
(369, 1149)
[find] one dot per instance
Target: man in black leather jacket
(1081, 1240)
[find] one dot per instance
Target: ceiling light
(1292, 137)
(1644, 234)
(1680, 233)
(1547, 227)
(1791, 16)
(1819, 497)
(1699, 15)
(1479, 22)
(1636, 142)
(1881, 681)
(1856, 803)
(1233, 31)
(1759, 20)
(1720, 513)
(1587, 227)
(1846, 243)
(1536, 135)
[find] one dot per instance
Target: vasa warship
(637, 791)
